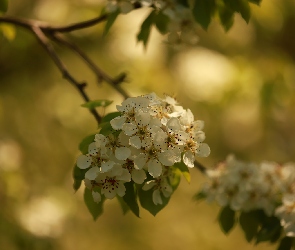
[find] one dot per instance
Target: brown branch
(101, 75)
(51, 52)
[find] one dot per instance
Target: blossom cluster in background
(175, 15)
(247, 186)
(148, 136)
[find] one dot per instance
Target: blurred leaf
(202, 12)
(97, 103)
(285, 244)
(240, 6)
(96, 209)
(269, 229)
(78, 175)
(8, 31)
(123, 205)
(183, 3)
(250, 224)
(111, 19)
(83, 146)
(184, 170)
(257, 2)
(226, 219)
(106, 129)
(145, 28)
(130, 198)
(226, 16)
(146, 197)
(200, 196)
(161, 21)
(110, 116)
(3, 6)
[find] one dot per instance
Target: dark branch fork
(43, 32)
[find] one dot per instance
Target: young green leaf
(226, 16)
(111, 19)
(110, 116)
(202, 12)
(250, 224)
(184, 170)
(123, 205)
(97, 103)
(285, 244)
(78, 175)
(226, 219)
(130, 198)
(161, 21)
(183, 3)
(240, 6)
(106, 129)
(269, 229)
(145, 28)
(96, 209)
(3, 6)
(83, 146)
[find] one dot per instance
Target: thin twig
(200, 167)
(51, 52)
(101, 75)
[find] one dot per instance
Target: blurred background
(241, 83)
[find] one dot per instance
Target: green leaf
(226, 16)
(146, 197)
(183, 3)
(269, 229)
(250, 224)
(111, 19)
(3, 6)
(184, 170)
(161, 21)
(285, 244)
(130, 198)
(110, 116)
(145, 28)
(241, 6)
(96, 209)
(106, 129)
(123, 205)
(257, 2)
(97, 103)
(202, 12)
(200, 196)
(8, 31)
(78, 175)
(83, 146)
(226, 219)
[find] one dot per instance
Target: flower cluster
(149, 136)
(245, 187)
(181, 26)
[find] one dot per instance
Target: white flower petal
(92, 149)
(106, 166)
(118, 122)
(188, 159)
(142, 118)
(154, 168)
(173, 124)
(135, 141)
(167, 158)
(125, 176)
(123, 139)
(129, 128)
(138, 176)
(122, 153)
(199, 136)
(100, 140)
(203, 150)
(109, 193)
(96, 196)
(121, 189)
(148, 185)
(84, 161)
(157, 197)
(140, 161)
(92, 173)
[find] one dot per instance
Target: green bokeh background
(241, 83)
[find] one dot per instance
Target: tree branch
(51, 52)
(200, 167)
